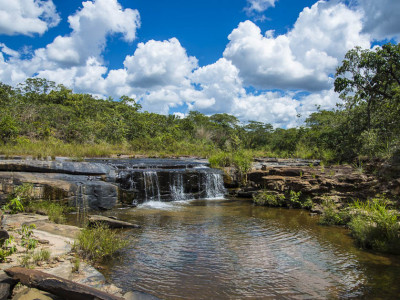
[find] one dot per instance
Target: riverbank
(52, 254)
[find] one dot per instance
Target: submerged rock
(110, 222)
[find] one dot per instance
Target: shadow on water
(219, 249)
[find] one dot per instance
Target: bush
(374, 226)
(267, 198)
(332, 216)
(98, 243)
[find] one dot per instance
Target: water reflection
(232, 249)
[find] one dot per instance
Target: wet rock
(110, 222)
(58, 286)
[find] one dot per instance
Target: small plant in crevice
(26, 232)
(76, 265)
(7, 248)
(331, 215)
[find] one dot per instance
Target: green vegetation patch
(98, 243)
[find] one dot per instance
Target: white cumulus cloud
(27, 17)
(381, 18)
(305, 57)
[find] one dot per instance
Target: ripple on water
(200, 251)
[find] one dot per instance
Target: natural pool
(230, 249)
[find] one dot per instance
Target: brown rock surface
(58, 286)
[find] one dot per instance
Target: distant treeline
(39, 112)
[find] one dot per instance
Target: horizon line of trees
(368, 122)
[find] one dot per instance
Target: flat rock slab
(65, 167)
(58, 286)
(110, 222)
(58, 229)
(16, 221)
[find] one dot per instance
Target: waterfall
(214, 185)
(173, 181)
(177, 187)
(151, 186)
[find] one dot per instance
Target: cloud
(381, 18)
(305, 57)
(258, 6)
(90, 27)
(27, 17)
(159, 63)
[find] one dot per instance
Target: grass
(54, 210)
(267, 198)
(372, 224)
(98, 243)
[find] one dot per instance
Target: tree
(369, 83)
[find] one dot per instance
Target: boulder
(58, 286)
(6, 285)
(110, 222)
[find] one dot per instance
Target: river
(231, 249)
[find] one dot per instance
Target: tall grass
(55, 211)
(372, 224)
(98, 243)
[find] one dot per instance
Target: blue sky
(264, 60)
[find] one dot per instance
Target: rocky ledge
(340, 183)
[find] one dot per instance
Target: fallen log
(58, 286)
(110, 222)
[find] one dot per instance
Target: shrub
(98, 243)
(269, 199)
(374, 226)
(332, 216)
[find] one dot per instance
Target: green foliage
(43, 119)
(27, 241)
(7, 249)
(54, 210)
(14, 205)
(98, 243)
(241, 160)
(332, 215)
(267, 198)
(76, 265)
(41, 255)
(20, 194)
(374, 226)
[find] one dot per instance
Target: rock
(110, 222)
(136, 295)
(58, 286)
(29, 294)
(43, 242)
(3, 236)
(6, 285)
(64, 167)
(77, 190)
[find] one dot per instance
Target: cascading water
(214, 186)
(151, 186)
(167, 180)
(177, 187)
